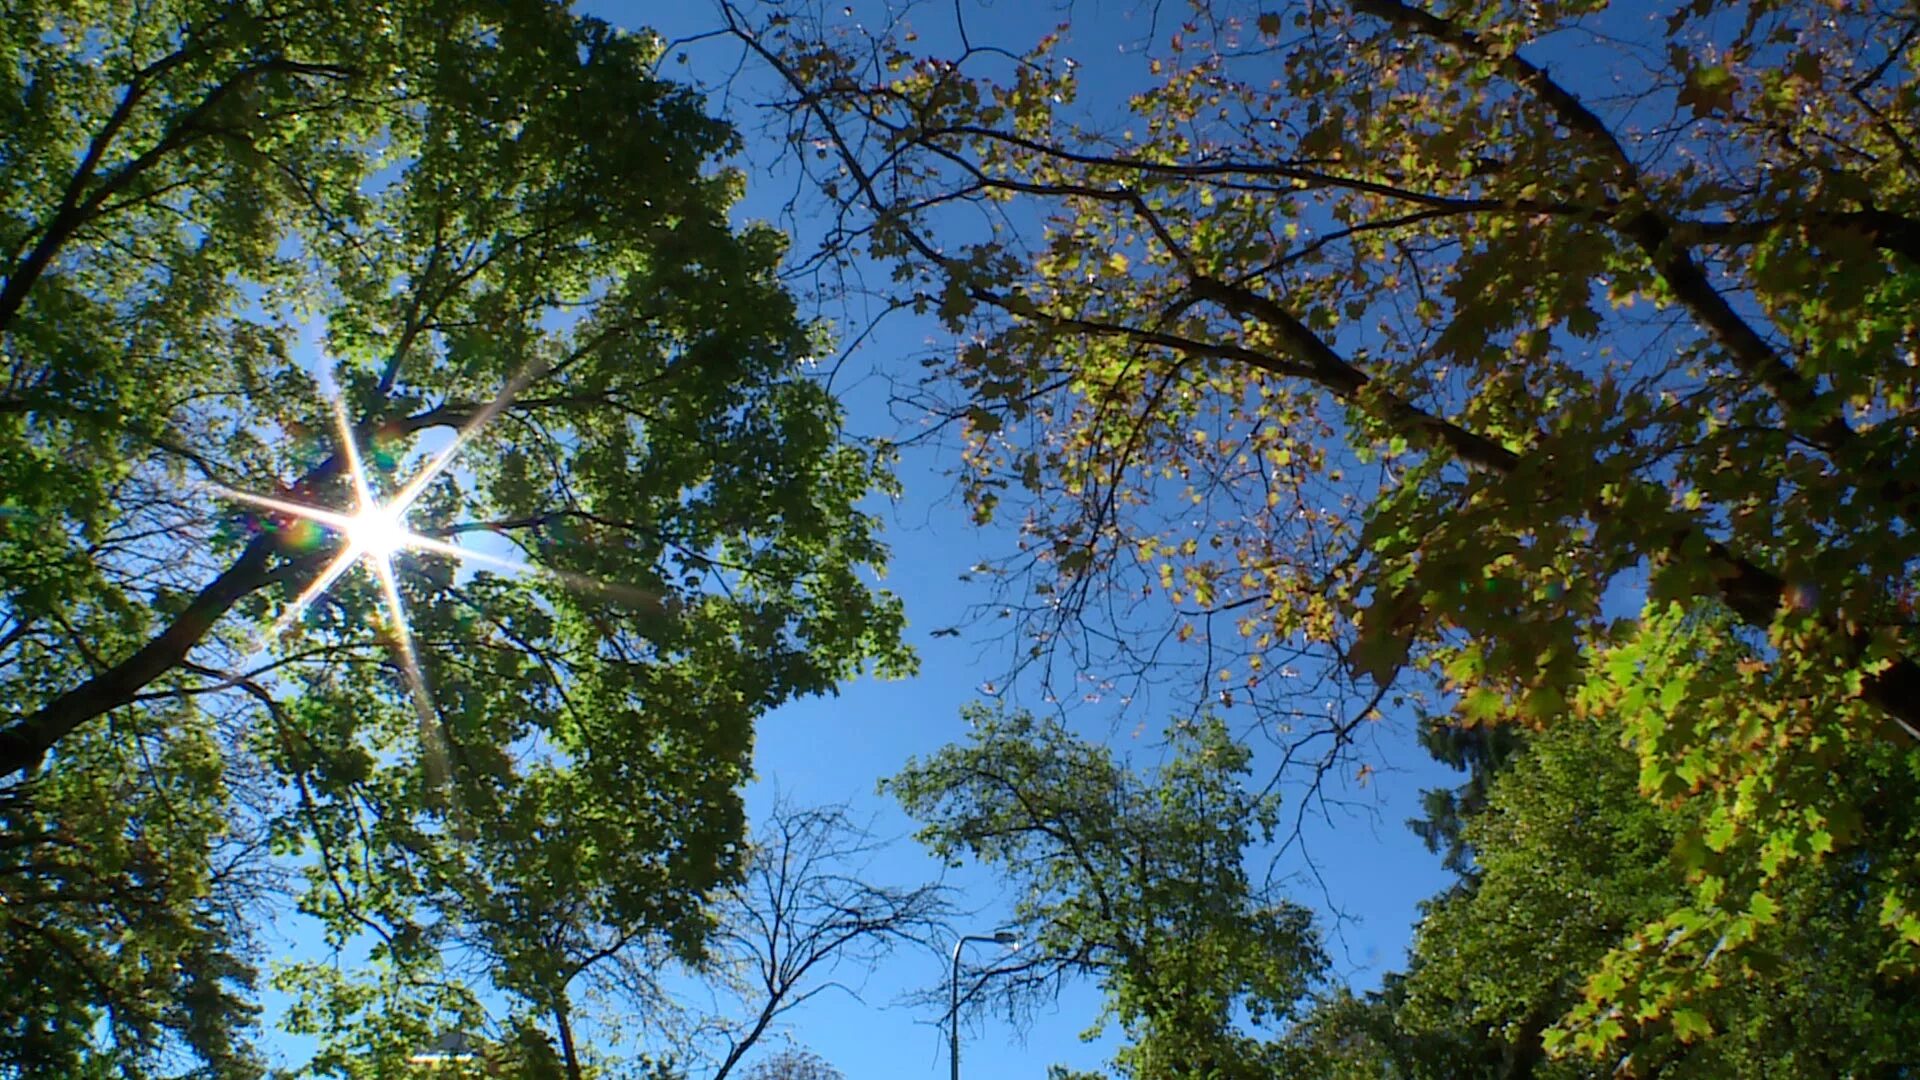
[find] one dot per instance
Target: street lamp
(998, 937)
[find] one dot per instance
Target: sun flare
(374, 532)
(378, 532)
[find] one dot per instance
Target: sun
(373, 532)
(377, 532)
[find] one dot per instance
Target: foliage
(197, 194)
(1790, 871)
(794, 1064)
(1361, 1037)
(1138, 879)
(1569, 858)
(1421, 337)
(1578, 868)
(1480, 751)
(122, 930)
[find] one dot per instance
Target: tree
(1407, 334)
(1766, 951)
(1478, 750)
(794, 1064)
(1136, 879)
(1568, 859)
(803, 917)
(122, 893)
(1348, 1036)
(1576, 873)
(508, 237)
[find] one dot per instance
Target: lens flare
(374, 532)
(378, 533)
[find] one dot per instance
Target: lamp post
(998, 937)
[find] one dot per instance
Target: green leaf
(1689, 1025)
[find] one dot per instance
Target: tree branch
(75, 211)
(24, 742)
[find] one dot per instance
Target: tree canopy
(1427, 341)
(500, 240)
(1575, 872)
(1136, 878)
(413, 487)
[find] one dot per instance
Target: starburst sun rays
(374, 532)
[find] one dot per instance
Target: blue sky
(835, 749)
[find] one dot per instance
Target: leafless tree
(805, 920)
